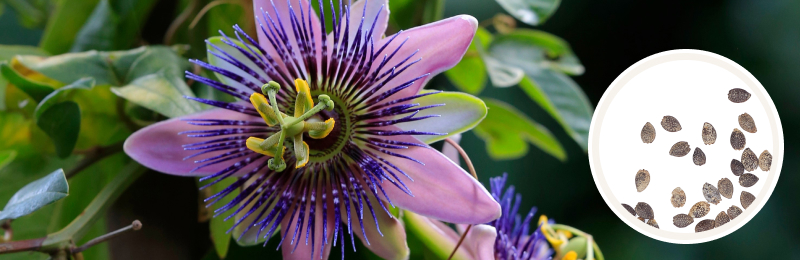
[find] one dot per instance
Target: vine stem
(93, 156)
(136, 225)
(474, 175)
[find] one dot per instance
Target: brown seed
(709, 133)
(722, 218)
(747, 123)
(737, 139)
(699, 157)
(652, 222)
(629, 209)
(644, 210)
(648, 133)
(705, 225)
(680, 149)
(711, 193)
(765, 161)
(725, 187)
(748, 180)
(682, 220)
(746, 198)
(737, 167)
(699, 209)
(678, 197)
(642, 219)
(749, 160)
(738, 95)
(734, 212)
(642, 180)
(671, 124)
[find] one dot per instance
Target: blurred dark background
(607, 36)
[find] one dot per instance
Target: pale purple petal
(441, 189)
(480, 241)
(159, 147)
(374, 8)
(392, 245)
(440, 44)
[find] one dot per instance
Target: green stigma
(291, 126)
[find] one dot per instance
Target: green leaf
(469, 75)
(6, 157)
(507, 131)
(460, 113)
(35, 195)
(30, 13)
(35, 90)
(533, 12)
(421, 230)
(62, 122)
(6, 53)
(156, 93)
(113, 25)
(64, 23)
(219, 227)
(60, 95)
(546, 60)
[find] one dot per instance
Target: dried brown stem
(474, 175)
(136, 225)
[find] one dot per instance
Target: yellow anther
(319, 130)
(301, 151)
(264, 109)
(549, 233)
(303, 103)
(571, 255)
(254, 143)
(565, 233)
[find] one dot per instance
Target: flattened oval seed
(642, 180)
(711, 193)
(709, 133)
(749, 160)
(705, 225)
(680, 149)
(671, 124)
(682, 220)
(747, 123)
(748, 180)
(653, 223)
(699, 157)
(722, 218)
(629, 209)
(699, 209)
(644, 210)
(678, 197)
(737, 167)
(737, 139)
(746, 199)
(765, 161)
(725, 187)
(734, 212)
(648, 133)
(738, 95)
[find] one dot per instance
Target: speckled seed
(678, 197)
(746, 198)
(737, 139)
(711, 193)
(648, 133)
(749, 160)
(737, 167)
(722, 218)
(765, 160)
(652, 222)
(699, 157)
(699, 209)
(747, 123)
(705, 225)
(725, 187)
(682, 220)
(709, 133)
(680, 149)
(671, 124)
(642, 219)
(734, 212)
(644, 210)
(642, 180)
(738, 95)
(748, 180)
(629, 209)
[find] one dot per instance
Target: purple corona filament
(514, 239)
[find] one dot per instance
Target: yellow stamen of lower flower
(571, 255)
(550, 234)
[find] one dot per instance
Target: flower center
(294, 127)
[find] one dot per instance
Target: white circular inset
(693, 87)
